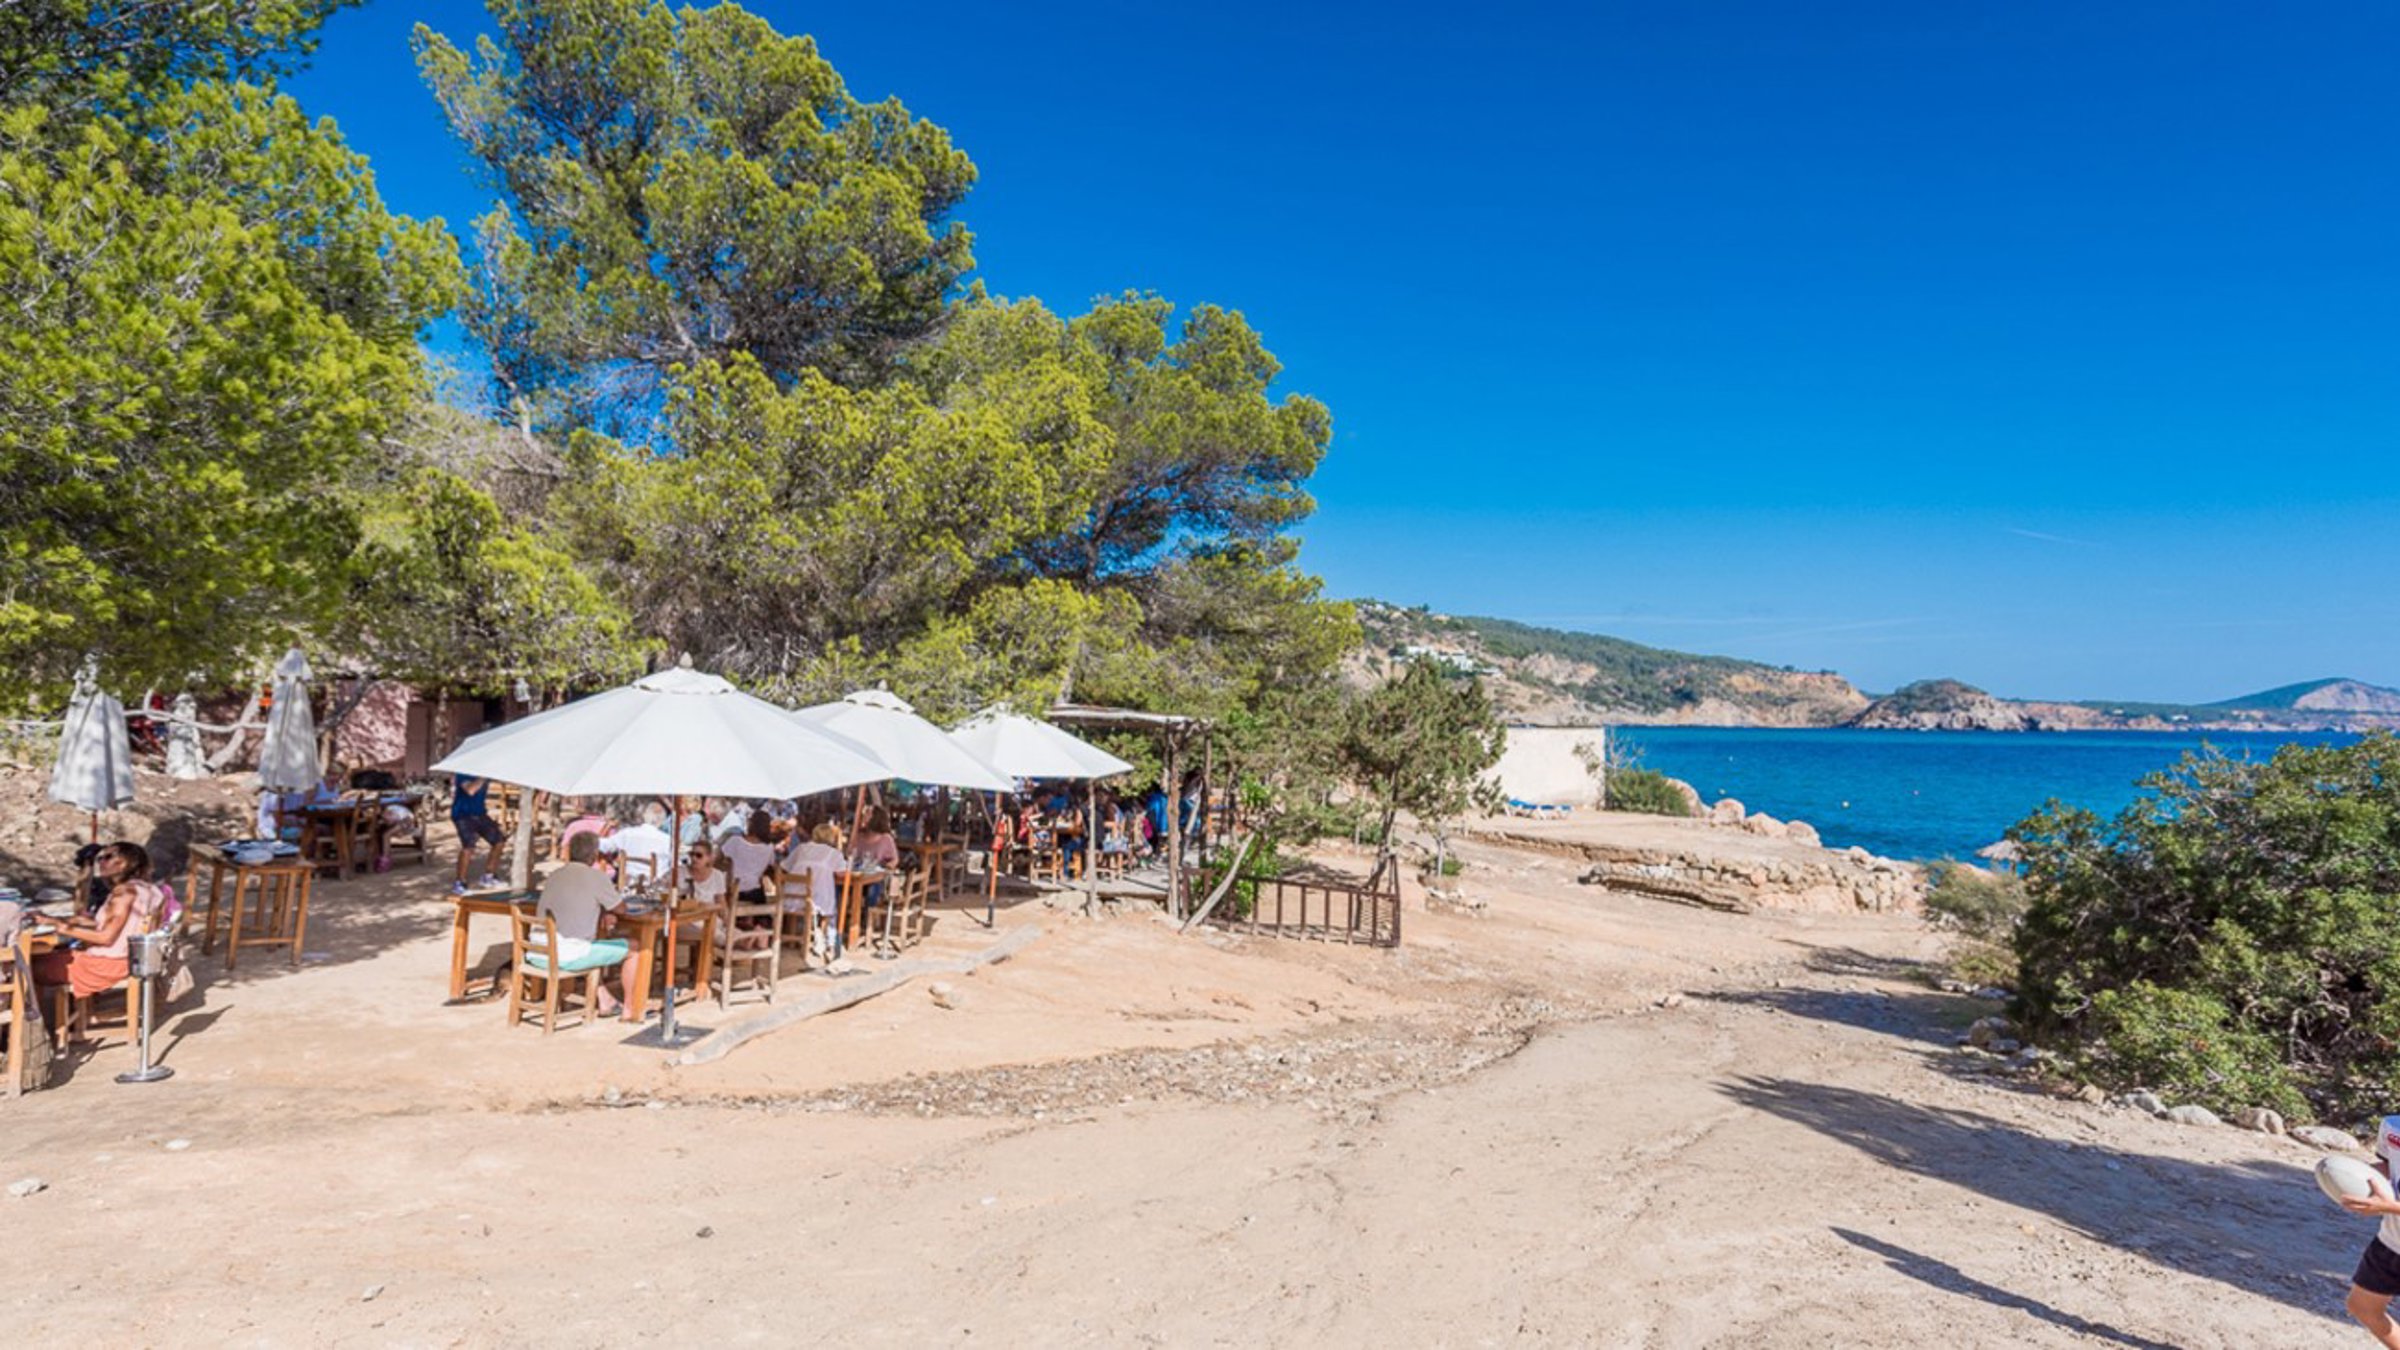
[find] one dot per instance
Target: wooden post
(1174, 787)
(1091, 845)
(520, 862)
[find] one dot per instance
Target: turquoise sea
(1926, 794)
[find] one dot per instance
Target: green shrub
(1983, 909)
(1647, 791)
(2232, 931)
(2188, 1045)
(1980, 904)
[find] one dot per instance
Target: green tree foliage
(1421, 742)
(75, 53)
(684, 186)
(212, 322)
(446, 592)
(2232, 935)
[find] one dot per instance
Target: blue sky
(2047, 346)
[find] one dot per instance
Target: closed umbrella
(287, 762)
(94, 772)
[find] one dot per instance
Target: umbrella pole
(1091, 845)
(666, 1011)
(991, 871)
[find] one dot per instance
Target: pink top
(149, 899)
(876, 848)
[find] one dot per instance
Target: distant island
(1554, 677)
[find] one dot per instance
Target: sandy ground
(1579, 1119)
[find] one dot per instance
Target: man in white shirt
(576, 897)
(646, 843)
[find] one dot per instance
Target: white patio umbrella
(287, 761)
(911, 747)
(677, 733)
(94, 772)
(1027, 747)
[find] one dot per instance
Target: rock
(1670, 1000)
(2260, 1119)
(2144, 1101)
(1801, 832)
(2325, 1137)
(1727, 811)
(2003, 1046)
(1985, 1030)
(2090, 1093)
(706, 1231)
(1992, 993)
(178, 1145)
(374, 1291)
(2192, 1115)
(1763, 825)
(1858, 855)
(1691, 797)
(18, 1190)
(943, 994)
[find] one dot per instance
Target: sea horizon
(1921, 795)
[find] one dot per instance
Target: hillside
(2336, 696)
(1552, 677)
(1547, 675)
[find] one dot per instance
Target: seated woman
(750, 856)
(873, 848)
(705, 885)
(582, 819)
(819, 858)
(96, 959)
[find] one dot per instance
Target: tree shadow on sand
(1950, 1279)
(2259, 1227)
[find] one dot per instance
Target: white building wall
(1541, 764)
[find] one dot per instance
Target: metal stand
(146, 950)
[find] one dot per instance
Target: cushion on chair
(602, 954)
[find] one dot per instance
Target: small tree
(1422, 742)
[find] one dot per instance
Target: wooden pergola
(1175, 733)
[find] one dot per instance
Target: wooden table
(343, 819)
(851, 912)
(465, 907)
(283, 890)
(642, 932)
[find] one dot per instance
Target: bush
(2188, 1043)
(2232, 933)
(1647, 791)
(1983, 908)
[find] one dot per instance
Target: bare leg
(2373, 1312)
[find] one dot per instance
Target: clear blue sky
(2050, 346)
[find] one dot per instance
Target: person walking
(472, 818)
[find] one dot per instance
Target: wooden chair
(397, 838)
(800, 913)
(534, 954)
(702, 953)
(71, 1016)
(1046, 860)
(636, 871)
(737, 963)
(321, 843)
(904, 901)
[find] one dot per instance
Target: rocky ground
(1565, 1114)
